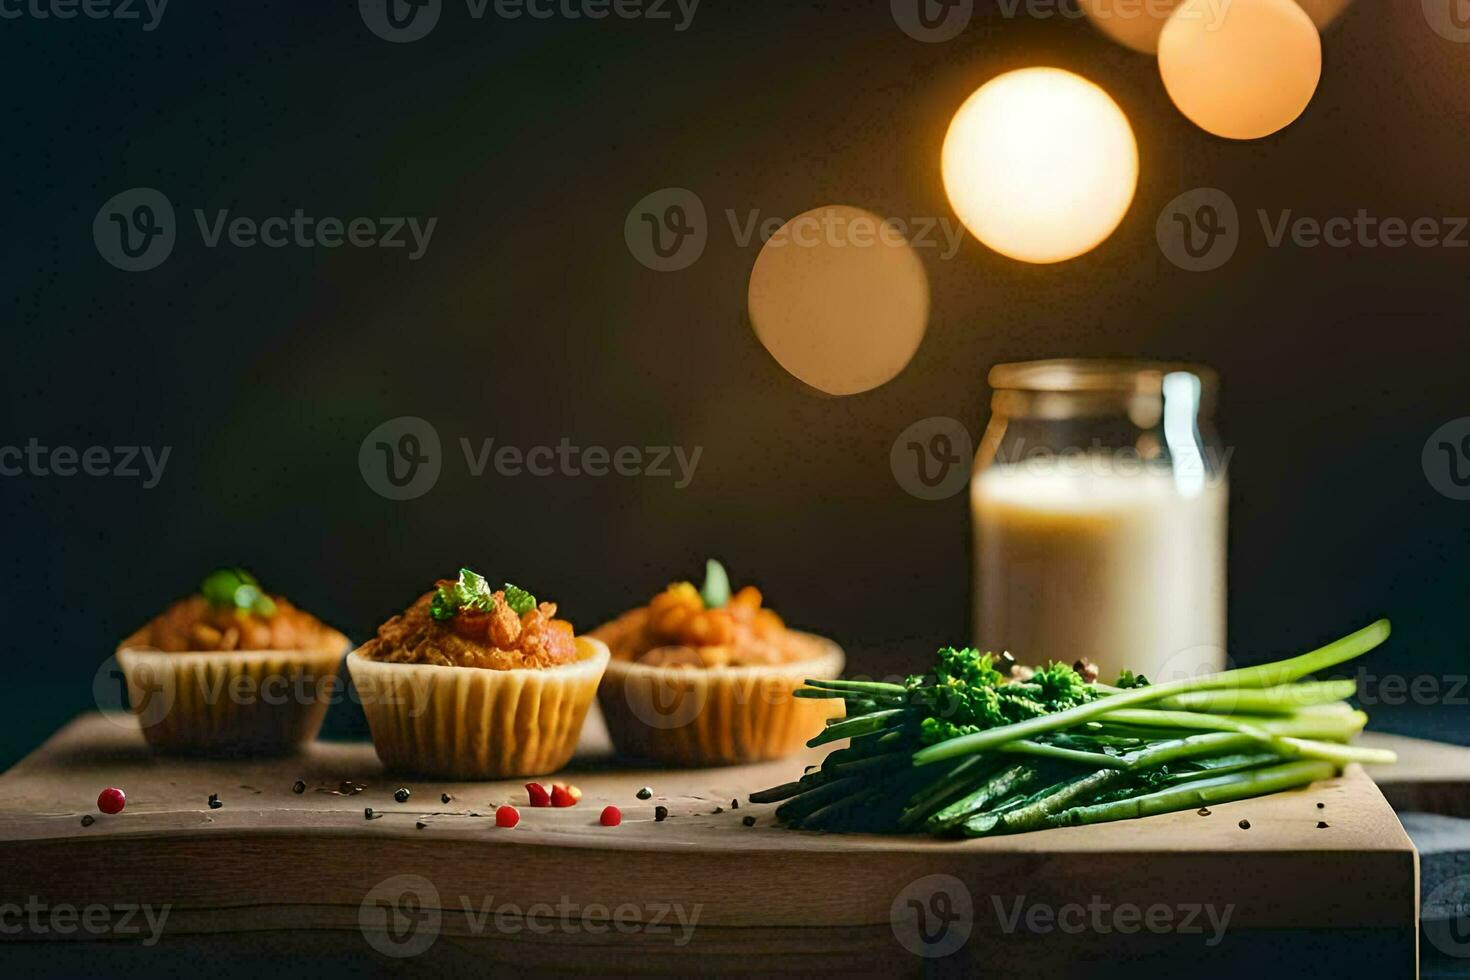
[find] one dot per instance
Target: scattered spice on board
(562, 795)
(719, 809)
(214, 803)
(112, 800)
(420, 824)
(660, 813)
(298, 787)
(1203, 811)
(537, 795)
(367, 813)
(88, 820)
(1245, 825)
(749, 821)
(1321, 805)
(645, 793)
(507, 816)
(401, 794)
(611, 816)
(1321, 824)
(445, 797)
(734, 804)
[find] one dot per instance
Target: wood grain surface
(273, 862)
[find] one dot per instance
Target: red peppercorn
(611, 816)
(538, 794)
(562, 796)
(111, 800)
(507, 816)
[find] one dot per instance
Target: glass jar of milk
(1099, 500)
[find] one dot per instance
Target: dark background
(529, 321)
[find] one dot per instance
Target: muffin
(472, 682)
(701, 676)
(231, 671)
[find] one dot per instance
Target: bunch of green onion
(1120, 753)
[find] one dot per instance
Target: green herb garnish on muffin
(472, 592)
(238, 588)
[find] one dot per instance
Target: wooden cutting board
(277, 874)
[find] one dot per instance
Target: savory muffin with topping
(466, 624)
(475, 682)
(704, 676)
(231, 671)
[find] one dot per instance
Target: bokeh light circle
(1245, 75)
(1040, 164)
(840, 299)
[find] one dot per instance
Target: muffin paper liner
(230, 702)
(476, 723)
(693, 716)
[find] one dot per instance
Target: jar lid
(1103, 375)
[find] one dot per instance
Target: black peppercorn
(445, 797)
(367, 813)
(660, 814)
(401, 794)
(298, 787)
(88, 820)
(1245, 825)
(214, 803)
(645, 793)
(749, 821)
(1321, 824)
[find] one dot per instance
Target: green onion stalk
(965, 750)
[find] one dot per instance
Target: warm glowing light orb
(840, 298)
(1137, 23)
(1040, 164)
(1247, 76)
